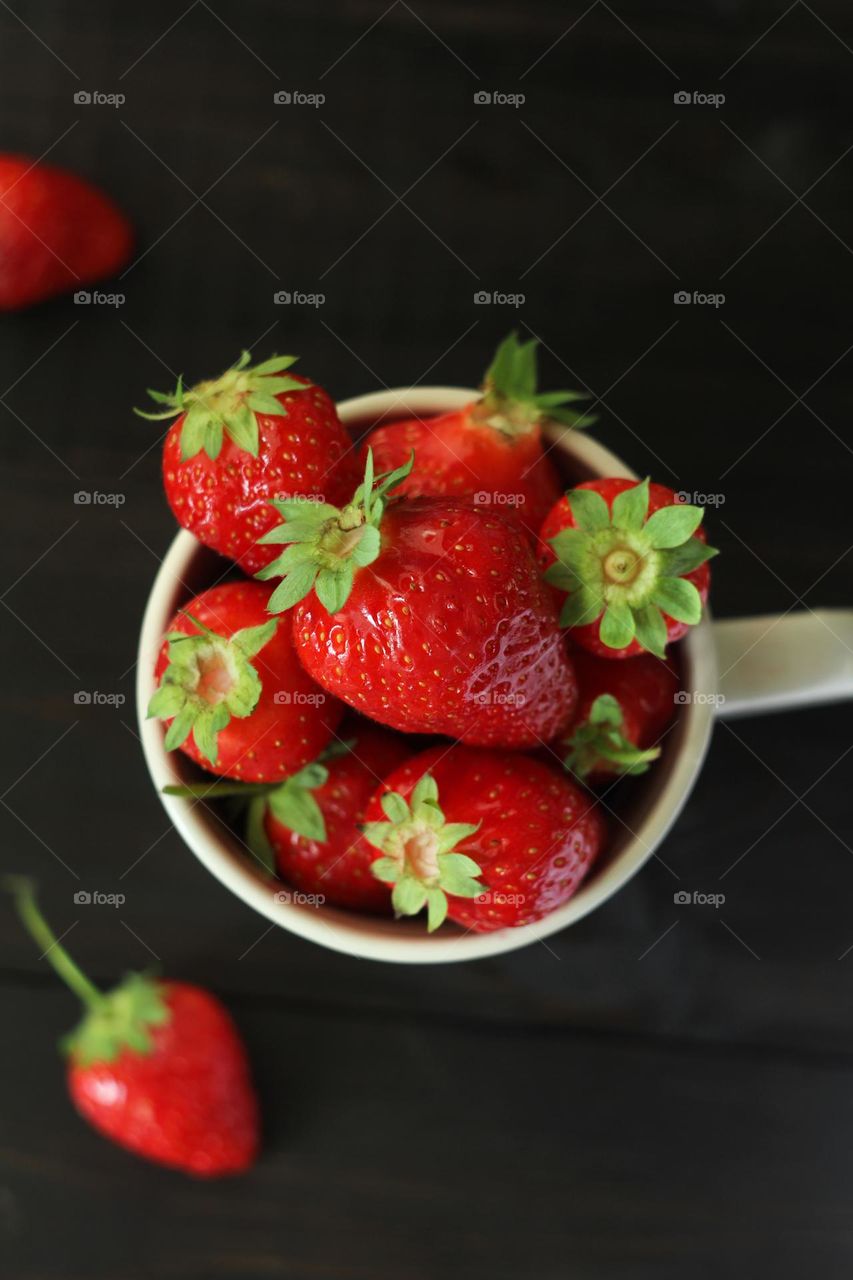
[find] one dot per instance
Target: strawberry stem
(23, 893)
(511, 402)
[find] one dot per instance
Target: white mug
(728, 668)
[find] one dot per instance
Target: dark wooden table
(662, 1091)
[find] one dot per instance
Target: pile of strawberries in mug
(436, 659)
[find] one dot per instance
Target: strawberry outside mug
(729, 668)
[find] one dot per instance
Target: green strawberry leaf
(671, 526)
(617, 626)
(680, 599)
(651, 630)
(631, 507)
(589, 509)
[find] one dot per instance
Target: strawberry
(492, 448)
(56, 233)
(307, 827)
(427, 615)
(491, 840)
(629, 560)
(231, 686)
(624, 710)
(337, 866)
(243, 439)
(156, 1066)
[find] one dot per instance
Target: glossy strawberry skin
(539, 834)
(189, 1103)
(561, 517)
(449, 631)
(279, 736)
(339, 867)
(225, 501)
(457, 456)
(57, 233)
(646, 691)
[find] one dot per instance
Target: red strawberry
(429, 617)
(338, 865)
(56, 233)
(632, 559)
(492, 448)
(307, 827)
(489, 839)
(157, 1067)
(624, 710)
(238, 700)
(240, 441)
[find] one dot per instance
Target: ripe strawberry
(489, 839)
(428, 616)
(156, 1066)
(307, 827)
(238, 700)
(492, 448)
(632, 559)
(624, 710)
(56, 233)
(242, 440)
(337, 865)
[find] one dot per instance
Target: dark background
(661, 1091)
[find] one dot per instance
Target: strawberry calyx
(290, 801)
(122, 1018)
(326, 544)
(227, 405)
(510, 401)
(601, 738)
(208, 680)
(420, 858)
(626, 567)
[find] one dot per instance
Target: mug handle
(779, 662)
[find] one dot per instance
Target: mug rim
(379, 938)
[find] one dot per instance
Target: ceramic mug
(728, 668)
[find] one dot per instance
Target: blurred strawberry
(156, 1066)
(57, 233)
